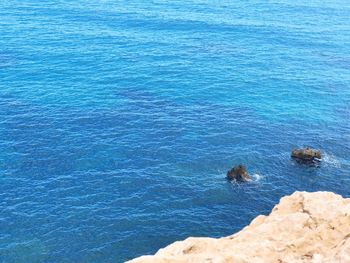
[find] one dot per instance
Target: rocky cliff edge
(303, 227)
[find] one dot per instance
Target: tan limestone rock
(303, 227)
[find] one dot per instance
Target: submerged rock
(306, 154)
(304, 228)
(238, 173)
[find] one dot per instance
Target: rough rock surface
(303, 227)
(306, 154)
(238, 173)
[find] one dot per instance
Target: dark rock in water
(306, 155)
(238, 173)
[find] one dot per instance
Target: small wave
(257, 177)
(331, 160)
(254, 179)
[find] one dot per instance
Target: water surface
(119, 120)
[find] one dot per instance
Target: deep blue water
(119, 120)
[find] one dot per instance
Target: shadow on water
(23, 250)
(7, 60)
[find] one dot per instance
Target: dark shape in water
(6, 60)
(238, 173)
(306, 155)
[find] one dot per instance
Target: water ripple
(119, 120)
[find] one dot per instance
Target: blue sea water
(119, 119)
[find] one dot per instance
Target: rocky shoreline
(303, 227)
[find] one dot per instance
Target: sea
(120, 119)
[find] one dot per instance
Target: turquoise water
(119, 120)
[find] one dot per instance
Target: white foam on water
(257, 177)
(331, 160)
